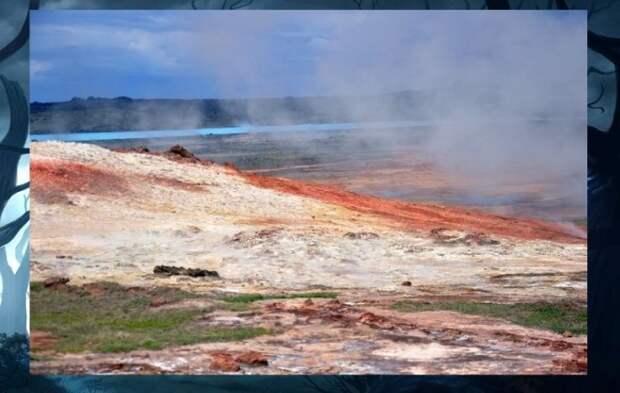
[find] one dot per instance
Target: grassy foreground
(118, 319)
(107, 317)
(253, 297)
(560, 318)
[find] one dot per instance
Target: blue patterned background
(603, 213)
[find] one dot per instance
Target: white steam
(506, 90)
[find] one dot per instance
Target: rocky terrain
(109, 216)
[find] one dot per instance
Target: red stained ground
(53, 179)
(419, 216)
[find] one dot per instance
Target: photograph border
(603, 221)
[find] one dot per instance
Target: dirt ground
(101, 215)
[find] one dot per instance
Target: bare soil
(100, 215)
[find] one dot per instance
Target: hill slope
(100, 215)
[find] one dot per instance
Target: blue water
(150, 134)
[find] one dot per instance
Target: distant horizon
(86, 98)
(218, 55)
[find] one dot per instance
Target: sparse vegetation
(107, 317)
(253, 297)
(558, 317)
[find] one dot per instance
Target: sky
(523, 64)
(207, 54)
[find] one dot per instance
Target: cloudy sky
(179, 54)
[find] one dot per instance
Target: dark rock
(406, 283)
(181, 151)
(181, 154)
(182, 271)
(56, 282)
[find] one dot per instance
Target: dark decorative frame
(603, 217)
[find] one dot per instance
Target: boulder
(182, 271)
(56, 282)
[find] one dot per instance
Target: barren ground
(100, 215)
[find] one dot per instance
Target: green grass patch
(558, 317)
(36, 286)
(40, 358)
(119, 319)
(235, 307)
(253, 297)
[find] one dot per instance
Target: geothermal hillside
(102, 215)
